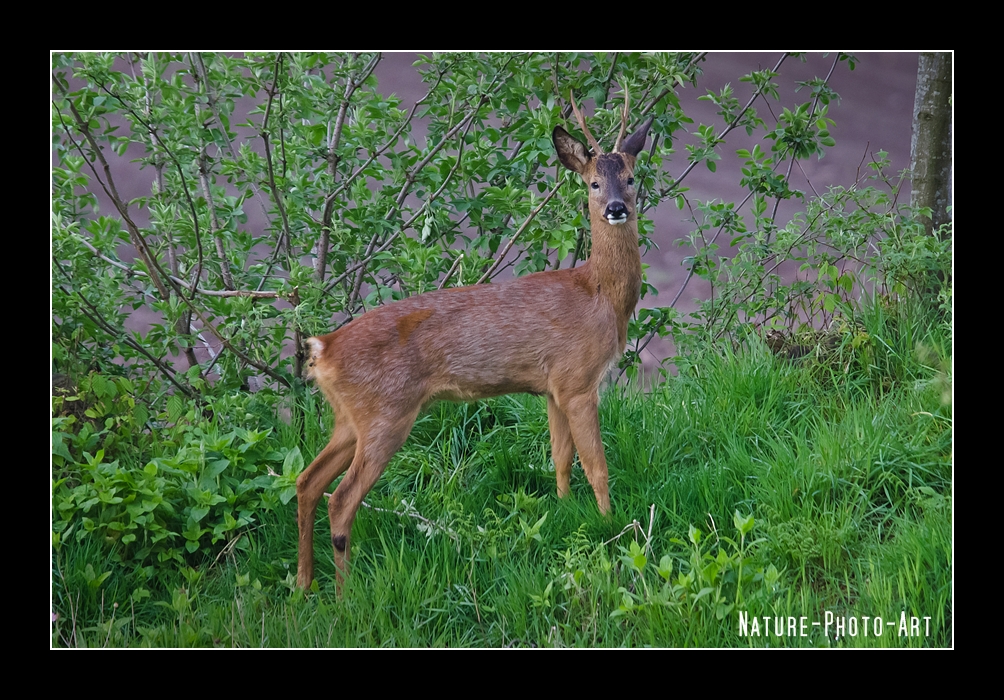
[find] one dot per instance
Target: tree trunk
(931, 145)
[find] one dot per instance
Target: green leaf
(293, 464)
(217, 466)
(199, 512)
(59, 448)
(665, 568)
(175, 408)
(743, 524)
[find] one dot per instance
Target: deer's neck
(615, 267)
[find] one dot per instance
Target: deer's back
(475, 342)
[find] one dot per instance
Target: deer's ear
(571, 152)
(636, 142)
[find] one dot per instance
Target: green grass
(844, 465)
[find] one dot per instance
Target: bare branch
(177, 280)
(286, 238)
(411, 512)
(351, 85)
(214, 220)
(449, 273)
(610, 76)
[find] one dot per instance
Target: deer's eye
(595, 185)
(630, 182)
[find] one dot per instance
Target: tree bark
(931, 145)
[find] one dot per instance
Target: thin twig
(286, 238)
(138, 239)
(229, 346)
(390, 142)
(730, 127)
(413, 173)
(449, 273)
(406, 188)
(714, 238)
(132, 272)
(410, 512)
(351, 85)
(228, 548)
(633, 525)
(342, 277)
(158, 162)
(253, 294)
(780, 261)
(651, 521)
(446, 180)
(806, 179)
(226, 343)
(794, 157)
(609, 78)
(207, 191)
(659, 98)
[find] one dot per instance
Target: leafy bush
(202, 487)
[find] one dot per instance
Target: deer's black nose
(616, 210)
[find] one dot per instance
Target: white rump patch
(315, 348)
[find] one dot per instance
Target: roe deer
(552, 333)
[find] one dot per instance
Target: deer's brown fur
(550, 333)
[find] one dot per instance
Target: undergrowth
(753, 497)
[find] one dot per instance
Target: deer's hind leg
(378, 440)
(326, 467)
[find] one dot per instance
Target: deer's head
(609, 176)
